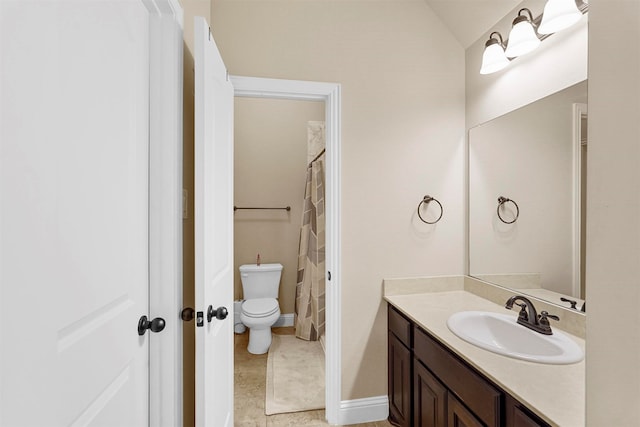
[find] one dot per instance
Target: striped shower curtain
(310, 300)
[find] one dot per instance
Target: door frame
(255, 87)
(580, 110)
(165, 209)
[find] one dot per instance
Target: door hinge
(185, 203)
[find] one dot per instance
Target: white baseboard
(365, 410)
(284, 320)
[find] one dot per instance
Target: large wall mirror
(527, 198)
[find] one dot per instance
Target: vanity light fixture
(558, 15)
(522, 38)
(493, 58)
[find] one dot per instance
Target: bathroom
(411, 91)
(270, 150)
(275, 142)
(403, 136)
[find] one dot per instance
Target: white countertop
(556, 393)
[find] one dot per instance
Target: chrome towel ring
(426, 200)
(501, 201)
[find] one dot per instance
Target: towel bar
(286, 208)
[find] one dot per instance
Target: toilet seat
(260, 307)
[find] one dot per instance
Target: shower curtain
(310, 299)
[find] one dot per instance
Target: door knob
(219, 313)
(187, 314)
(156, 325)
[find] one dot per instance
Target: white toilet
(260, 310)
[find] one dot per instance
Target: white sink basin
(501, 334)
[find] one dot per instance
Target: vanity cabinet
(430, 386)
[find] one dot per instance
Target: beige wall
(402, 77)
(613, 214)
(270, 145)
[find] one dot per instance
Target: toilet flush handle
(219, 313)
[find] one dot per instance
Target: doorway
(275, 143)
(329, 93)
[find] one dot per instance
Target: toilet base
(259, 340)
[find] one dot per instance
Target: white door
(73, 213)
(213, 232)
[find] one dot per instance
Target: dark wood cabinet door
(399, 364)
(459, 415)
(522, 419)
(518, 416)
(429, 398)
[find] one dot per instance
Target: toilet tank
(260, 281)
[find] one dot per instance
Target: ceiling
(468, 20)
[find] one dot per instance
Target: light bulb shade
(522, 39)
(493, 58)
(558, 15)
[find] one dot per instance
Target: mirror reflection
(527, 198)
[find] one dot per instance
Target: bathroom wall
(270, 149)
(613, 214)
(402, 77)
(559, 62)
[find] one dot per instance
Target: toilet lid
(260, 307)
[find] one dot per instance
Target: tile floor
(250, 377)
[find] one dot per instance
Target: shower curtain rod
(317, 157)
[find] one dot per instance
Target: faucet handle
(543, 321)
(545, 314)
(522, 314)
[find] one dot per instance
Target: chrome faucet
(529, 317)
